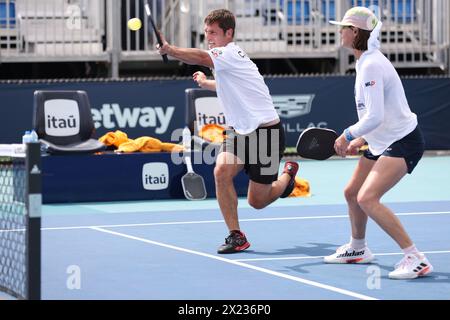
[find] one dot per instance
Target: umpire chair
(63, 122)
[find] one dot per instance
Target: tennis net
(20, 223)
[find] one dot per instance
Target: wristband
(348, 136)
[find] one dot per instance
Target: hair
(223, 17)
(360, 42)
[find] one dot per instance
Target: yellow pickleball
(134, 24)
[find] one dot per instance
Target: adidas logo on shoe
(346, 254)
(351, 254)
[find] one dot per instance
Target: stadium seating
(7, 14)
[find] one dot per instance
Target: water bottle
(33, 136)
(26, 138)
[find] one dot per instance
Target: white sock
(411, 250)
(357, 243)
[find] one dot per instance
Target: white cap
(359, 17)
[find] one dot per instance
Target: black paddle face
(193, 186)
(316, 143)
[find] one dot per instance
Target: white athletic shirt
(241, 90)
(383, 111)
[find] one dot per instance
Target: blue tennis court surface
(166, 250)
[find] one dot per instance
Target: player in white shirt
(255, 128)
(395, 146)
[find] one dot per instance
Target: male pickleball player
(255, 140)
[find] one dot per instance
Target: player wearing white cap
(395, 146)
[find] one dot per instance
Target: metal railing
(52, 30)
(416, 33)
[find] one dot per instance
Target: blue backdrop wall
(157, 107)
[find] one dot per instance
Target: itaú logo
(208, 111)
(62, 117)
(155, 176)
(204, 119)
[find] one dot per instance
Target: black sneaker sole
(230, 249)
(288, 189)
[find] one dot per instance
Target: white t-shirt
(241, 90)
(383, 111)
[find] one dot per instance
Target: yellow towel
(301, 188)
(148, 144)
(129, 146)
(114, 138)
(171, 147)
(142, 144)
(121, 141)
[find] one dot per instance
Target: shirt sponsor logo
(370, 84)
(242, 53)
(216, 52)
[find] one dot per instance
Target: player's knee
(367, 201)
(350, 194)
(223, 174)
(257, 203)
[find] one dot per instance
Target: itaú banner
(157, 108)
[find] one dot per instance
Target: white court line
(241, 220)
(241, 264)
(321, 257)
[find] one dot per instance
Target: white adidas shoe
(411, 267)
(346, 254)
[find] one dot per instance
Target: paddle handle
(187, 159)
(158, 37)
(187, 139)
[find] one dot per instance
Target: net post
(34, 201)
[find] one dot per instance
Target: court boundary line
(221, 221)
(241, 264)
(321, 257)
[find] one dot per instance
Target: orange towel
(171, 147)
(114, 138)
(212, 133)
(142, 144)
(129, 146)
(301, 188)
(148, 144)
(121, 141)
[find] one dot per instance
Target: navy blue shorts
(411, 148)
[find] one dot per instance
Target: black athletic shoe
(291, 169)
(235, 242)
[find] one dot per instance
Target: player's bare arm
(203, 81)
(187, 55)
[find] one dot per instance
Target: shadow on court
(317, 249)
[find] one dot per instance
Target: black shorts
(411, 148)
(260, 151)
